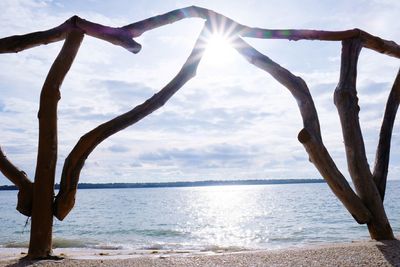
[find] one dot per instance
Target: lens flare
(219, 50)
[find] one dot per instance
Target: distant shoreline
(184, 184)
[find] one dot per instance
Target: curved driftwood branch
(385, 136)
(310, 136)
(65, 199)
(116, 36)
(346, 102)
(123, 36)
(42, 208)
(369, 41)
(20, 180)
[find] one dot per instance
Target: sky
(232, 121)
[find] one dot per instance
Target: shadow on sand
(23, 262)
(390, 249)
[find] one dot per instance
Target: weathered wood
(116, 36)
(369, 41)
(310, 136)
(366, 207)
(383, 151)
(40, 245)
(19, 179)
(122, 36)
(321, 159)
(346, 102)
(65, 199)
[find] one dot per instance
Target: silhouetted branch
(21, 180)
(310, 136)
(369, 41)
(65, 199)
(42, 208)
(385, 136)
(116, 36)
(346, 102)
(123, 36)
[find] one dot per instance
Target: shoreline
(358, 253)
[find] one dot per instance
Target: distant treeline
(184, 184)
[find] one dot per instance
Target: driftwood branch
(369, 41)
(116, 36)
(385, 136)
(310, 136)
(65, 199)
(123, 36)
(42, 209)
(19, 179)
(346, 102)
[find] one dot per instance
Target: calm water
(200, 218)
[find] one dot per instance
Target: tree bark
(346, 102)
(369, 41)
(116, 36)
(122, 36)
(20, 180)
(65, 199)
(40, 245)
(310, 136)
(383, 151)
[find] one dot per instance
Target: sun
(219, 50)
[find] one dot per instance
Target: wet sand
(366, 253)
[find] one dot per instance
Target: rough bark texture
(40, 245)
(65, 199)
(310, 136)
(38, 199)
(346, 102)
(21, 180)
(383, 151)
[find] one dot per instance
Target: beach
(360, 253)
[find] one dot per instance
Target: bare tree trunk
(346, 102)
(40, 245)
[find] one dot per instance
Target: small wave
(23, 244)
(108, 246)
(218, 249)
(154, 247)
(70, 243)
(160, 233)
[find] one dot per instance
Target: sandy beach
(365, 253)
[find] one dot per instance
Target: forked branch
(310, 136)
(65, 199)
(346, 102)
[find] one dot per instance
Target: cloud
(218, 155)
(119, 148)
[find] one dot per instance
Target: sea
(208, 218)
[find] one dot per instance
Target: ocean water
(200, 218)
